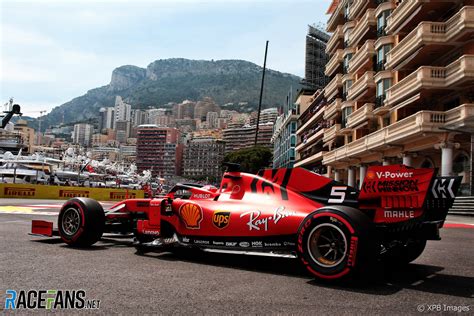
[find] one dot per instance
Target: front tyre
(81, 222)
(331, 242)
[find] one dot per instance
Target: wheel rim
(71, 221)
(327, 245)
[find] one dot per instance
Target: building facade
(106, 119)
(27, 134)
(284, 130)
(122, 110)
(236, 138)
(82, 134)
(203, 158)
(158, 150)
(401, 89)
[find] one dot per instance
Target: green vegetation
(251, 160)
(176, 80)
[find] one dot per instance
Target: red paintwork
(397, 192)
(275, 202)
(42, 228)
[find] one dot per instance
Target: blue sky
(53, 51)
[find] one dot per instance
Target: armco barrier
(50, 192)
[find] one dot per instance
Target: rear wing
(398, 193)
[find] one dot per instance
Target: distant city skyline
(53, 51)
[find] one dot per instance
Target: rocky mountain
(175, 80)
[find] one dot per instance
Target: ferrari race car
(333, 229)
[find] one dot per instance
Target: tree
(251, 160)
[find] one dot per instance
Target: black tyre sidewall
(92, 222)
(352, 223)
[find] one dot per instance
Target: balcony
(332, 109)
(311, 137)
(363, 86)
(361, 115)
(363, 28)
(317, 116)
(357, 9)
(431, 36)
(332, 88)
(311, 159)
(362, 60)
(402, 132)
(336, 18)
(331, 133)
(336, 41)
(432, 78)
(409, 13)
(334, 63)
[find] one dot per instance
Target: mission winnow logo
(49, 300)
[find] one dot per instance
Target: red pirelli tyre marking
(351, 246)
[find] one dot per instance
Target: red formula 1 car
(332, 228)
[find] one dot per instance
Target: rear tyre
(406, 253)
(81, 222)
(332, 242)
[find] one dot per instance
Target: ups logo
(221, 219)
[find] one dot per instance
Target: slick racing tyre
(332, 242)
(81, 222)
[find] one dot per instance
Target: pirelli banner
(49, 192)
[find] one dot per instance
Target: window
(347, 34)
(345, 114)
(382, 87)
(381, 56)
(345, 65)
(293, 140)
(347, 10)
(293, 127)
(382, 22)
(345, 89)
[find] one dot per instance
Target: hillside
(175, 80)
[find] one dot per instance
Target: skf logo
(73, 193)
(9, 191)
(191, 214)
(121, 195)
(221, 219)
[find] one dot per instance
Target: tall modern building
(106, 119)
(122, 110)
(159, 150)
(82, 134)
(139, 117)
(315, 58)
(401, 89)
(122, 131)
(203, 157)
(284, 130)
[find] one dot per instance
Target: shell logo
(370, 175)
(191, 214)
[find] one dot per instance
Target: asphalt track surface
(442, 279)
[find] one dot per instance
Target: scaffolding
(316, 58)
